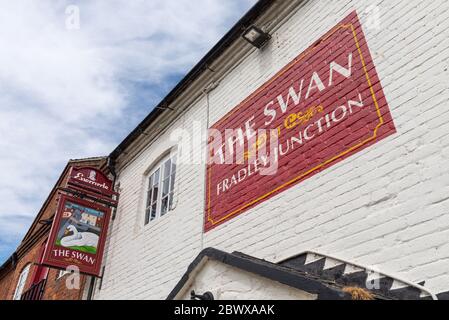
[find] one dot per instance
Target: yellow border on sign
(379, 113)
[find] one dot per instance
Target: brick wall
(5, 285)
(385, 207)
(55, 288)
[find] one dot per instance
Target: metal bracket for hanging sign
(83, 195)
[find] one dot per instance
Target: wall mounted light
(46, 222)
(256, 36)
(208, 296)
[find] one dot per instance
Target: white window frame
(21, 282)
(154, 201)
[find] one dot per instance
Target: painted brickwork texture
(385, 207)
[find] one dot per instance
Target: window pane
(149, 196)
(156, 177)
(172, 182)
(151, 181)
(167, 167)
(153, 212)
(170, 204)
(165, 187)
(173, 177)
(150, 189)
(155, 194)
(172, 186)
(164, 207)
(173, 168)
(21, 283)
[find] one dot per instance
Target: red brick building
(22, 276)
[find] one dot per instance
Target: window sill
(156, 222)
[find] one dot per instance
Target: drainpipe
(206, 91)
(90, 293)
(111, 166)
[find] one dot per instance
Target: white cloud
(64, 93)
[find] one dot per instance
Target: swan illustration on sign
(80, 228)
(80, 239)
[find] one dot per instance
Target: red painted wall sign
(326, 105)
(78, 235)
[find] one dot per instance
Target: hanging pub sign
(80, 225)
(324, 106)
(78, 235)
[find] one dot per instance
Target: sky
(77, 76)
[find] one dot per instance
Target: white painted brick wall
(387, 206)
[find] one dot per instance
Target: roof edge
(264, 269)
(256, 11)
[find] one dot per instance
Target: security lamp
(256, 36)
(208, 296)
(46, 222)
